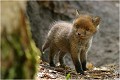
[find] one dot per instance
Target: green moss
(18, 62)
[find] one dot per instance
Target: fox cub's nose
(79, 34)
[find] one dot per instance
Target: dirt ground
(104, 72)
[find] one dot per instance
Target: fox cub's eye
(87, 29)
(77, 26)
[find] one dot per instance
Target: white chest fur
(82, 47)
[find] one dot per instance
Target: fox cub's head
(85, 25)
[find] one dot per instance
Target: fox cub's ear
(96, 20)
(77, 13)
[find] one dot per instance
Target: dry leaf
(90, 66)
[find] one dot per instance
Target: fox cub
(74, 38)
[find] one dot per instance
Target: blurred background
(25, 24)
(104, 49)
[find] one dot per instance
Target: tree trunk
(19, 53)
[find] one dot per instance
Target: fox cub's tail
(45, 45)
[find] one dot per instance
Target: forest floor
(110, 71)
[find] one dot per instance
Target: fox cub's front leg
(83, 59)
(74, 55)
(83, 56)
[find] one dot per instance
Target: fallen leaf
(51, 76)
(90, 66)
